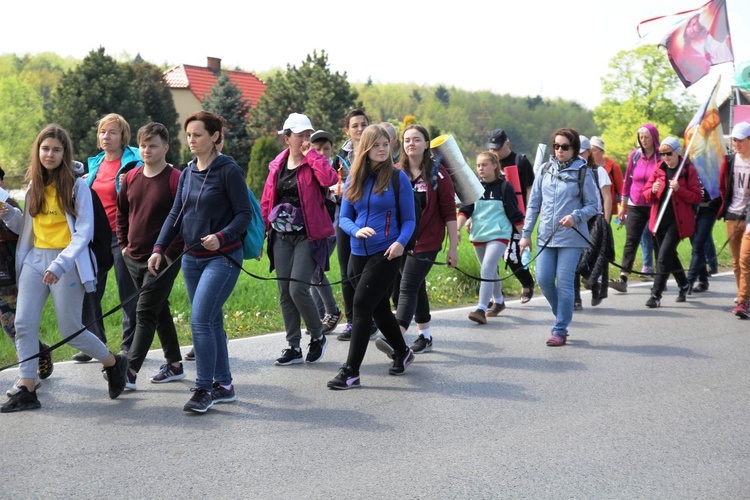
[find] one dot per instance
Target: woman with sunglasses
(678, 220)
(563, 198)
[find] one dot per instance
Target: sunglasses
(564, 147)
(666, 153)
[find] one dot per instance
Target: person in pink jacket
(298, 227)
(678, 221)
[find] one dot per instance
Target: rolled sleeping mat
(465, 182)
(511, 175)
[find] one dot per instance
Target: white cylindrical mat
(465, 181)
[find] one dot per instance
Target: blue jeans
(647, 248)
(704, 226)
(555, 273)
(209, 282)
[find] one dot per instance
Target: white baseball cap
(297, 123)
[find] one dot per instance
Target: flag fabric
(699, 40)
(704, 139)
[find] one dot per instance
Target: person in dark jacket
(678, 219)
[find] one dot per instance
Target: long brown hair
(425, 166)
(363, 166)
(62, 177)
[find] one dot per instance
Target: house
(191, 84)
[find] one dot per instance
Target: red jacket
(689, 194)
(313, 174)
(439, 210)
(615, 175)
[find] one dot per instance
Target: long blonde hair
(62, 177)
(363, 166)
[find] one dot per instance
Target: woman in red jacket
(678, 221)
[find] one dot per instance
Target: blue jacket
(554, 195)
(378, 211)
(131, 157)
(495, 213)
(210, 201)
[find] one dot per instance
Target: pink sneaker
(741, 311)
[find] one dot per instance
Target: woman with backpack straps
(493, 218)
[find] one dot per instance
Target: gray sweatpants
(67, 295)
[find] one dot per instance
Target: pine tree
(226, 101)
(265, 149)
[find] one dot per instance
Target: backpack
(101, 243)
(581, 177)
(255, 233)
(396, 184)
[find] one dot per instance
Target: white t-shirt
(741, 188)
(603, 181)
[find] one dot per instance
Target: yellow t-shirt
(50, 225)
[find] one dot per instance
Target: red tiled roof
(200, 80)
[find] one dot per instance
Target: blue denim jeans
(209, 282)
(555, 273)
(704, 226)
(647, 248)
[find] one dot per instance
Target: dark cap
(497, 139)
(320, 135)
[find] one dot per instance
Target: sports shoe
(400, 361)
(620, 285)
(346, 379)
(578, 305)
(168, 373)
(330, 322)
(682, 293)
(16, 387)
(478, 316)
(712, 270)
(200, 402)
(700, 287)
(130, 380)
(741, 311)
(290, 356)
(117, 376)
(495, 309)
(46, 366)
(647, 273)
(557, 340)
(80, 357)
(373, 331)
(221, 394)
(653, 302)
(384, 347)
(346, 334)
(190, 356)
(421, 344)
(21, 401)
(315, 349)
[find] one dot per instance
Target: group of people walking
(388, 210)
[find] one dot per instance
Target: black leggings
(667, 260)
(371, 301)
(635, 223)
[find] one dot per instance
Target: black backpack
(396, 184)
(101, 243)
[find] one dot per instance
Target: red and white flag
(699, 40)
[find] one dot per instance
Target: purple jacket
(638, 172)
(313, 174)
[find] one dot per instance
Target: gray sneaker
(619, 285)
(421, 344)
(221, 394)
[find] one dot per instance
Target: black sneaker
(373, 331)
(46, 366)
(190, 356)
(290, 356)
(21, 401)
(346, 379)
(80, 357)
(221, 394)
(494, 309)
(682, 293)
(578, 305)
(316, 349)
(421, 344)
(400, 361)
(330, 322)
(200, 402)
(700, 287)
(131, 378)
(346, 335)
(384, 347)
(117, 376)
(619, 285)
(653, 302)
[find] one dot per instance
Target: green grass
(253, 307)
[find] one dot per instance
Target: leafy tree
(21, 119)
(158, 104)
(311, 89)
(265, 149)
(98, 86)
(226, 101)
(641, 87)
(442, 95)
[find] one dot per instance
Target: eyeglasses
(564, 147)
(666, 153)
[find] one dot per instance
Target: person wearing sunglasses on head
(678, 219)
(563, 198)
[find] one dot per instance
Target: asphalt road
(640, 404)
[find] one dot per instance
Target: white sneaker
(16, 387)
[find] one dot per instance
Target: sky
(531, 47)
